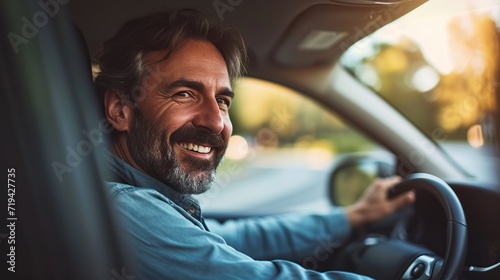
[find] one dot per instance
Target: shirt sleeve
(294, 237)
(166, 245)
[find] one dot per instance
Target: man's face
(181, 125)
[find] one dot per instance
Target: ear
(118, 110)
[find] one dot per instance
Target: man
(166, 82)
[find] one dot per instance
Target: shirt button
(191, 210)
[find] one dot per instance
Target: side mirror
(353, 173)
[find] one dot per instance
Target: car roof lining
(278, 44)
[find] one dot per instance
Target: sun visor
(323, 32)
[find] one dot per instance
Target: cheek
(171, 120)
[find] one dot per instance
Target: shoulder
(144, 212)
(140, 202)
(133, 196)
(119, 191)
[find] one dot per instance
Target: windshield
(438, 66)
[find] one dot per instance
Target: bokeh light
(238, 148)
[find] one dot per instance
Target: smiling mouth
(196, 148)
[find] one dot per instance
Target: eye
(182, 94)
(183, 97)
(224, 101)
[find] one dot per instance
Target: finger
(394, 180)
(402, 200)
(389, 182)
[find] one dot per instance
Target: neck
(120, 149)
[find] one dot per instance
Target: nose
(209, 116)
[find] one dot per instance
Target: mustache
(197, 135)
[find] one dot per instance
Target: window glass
(440, 68)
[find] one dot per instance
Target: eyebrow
(197, 86)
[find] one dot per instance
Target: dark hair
(122, 59)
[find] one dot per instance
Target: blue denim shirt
(170, 239)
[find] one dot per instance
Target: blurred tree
(467, 94)
(396, 65)
(275, 116)
(453, 102)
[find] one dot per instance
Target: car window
(281, 151)
(439, 68)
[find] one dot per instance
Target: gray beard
(186, 183)
(150, 149)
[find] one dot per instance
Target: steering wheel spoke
(423, 268)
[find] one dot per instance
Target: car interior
(55, 133)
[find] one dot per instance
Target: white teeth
(196, 148)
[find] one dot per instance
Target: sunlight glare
(425, 79)
(475, 136)
(434, 45)
(238, 148)
(427, 26)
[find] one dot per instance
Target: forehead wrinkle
(196, 61)
(198, 51)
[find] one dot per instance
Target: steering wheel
(384, 258)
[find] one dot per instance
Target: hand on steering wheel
(374, 205)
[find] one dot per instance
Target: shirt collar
(134, 177)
